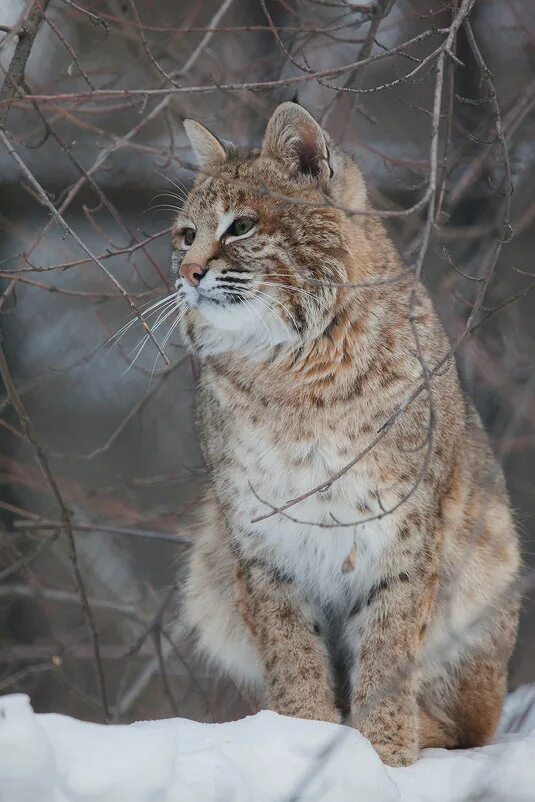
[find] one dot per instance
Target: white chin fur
(230, 317)
(250, 328)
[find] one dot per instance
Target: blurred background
(93, 160)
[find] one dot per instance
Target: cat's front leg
(292, 653)
(384, 705)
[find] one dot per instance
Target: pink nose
(192, 273)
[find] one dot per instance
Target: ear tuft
(207, 148)
(294, 137)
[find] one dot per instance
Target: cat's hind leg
(462, 709)
(210, 609)
(470, 710)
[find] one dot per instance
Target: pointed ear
(207, 148)
(294, 137)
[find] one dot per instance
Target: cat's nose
(192, 273)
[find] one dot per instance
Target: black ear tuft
(295, 98)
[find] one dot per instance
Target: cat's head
(263, 238)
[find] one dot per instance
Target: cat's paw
(397, 755)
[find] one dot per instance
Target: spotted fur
(389, 595)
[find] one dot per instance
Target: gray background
(121, 443)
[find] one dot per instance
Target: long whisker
(257, 294)
(296, 289)
(271, 346)
(293, 275)
(163, 316)
(168, 195)
(133, 362)
(242, 293)
(172, 328)
(147, 312)
(261, 294)
(171, 298)
(181, 188)
(141, 344)
(166, 206)
(251, 307)
(179, 317)
(120, 334)
(313, 281)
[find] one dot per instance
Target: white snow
(263, 758)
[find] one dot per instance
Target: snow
(262, 758)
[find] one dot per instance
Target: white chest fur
(264, 476)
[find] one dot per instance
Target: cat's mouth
(238, 308)
(238, 303)
(198, 298)
(215, 289)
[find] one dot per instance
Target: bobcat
(388, 595)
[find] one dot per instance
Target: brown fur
(413, 636)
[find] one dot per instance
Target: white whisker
(167, 206)
(172, 195)
(332, 283)
(181, 188)
(296, 289)
(141, 345)
(144, 341)
(251, 307)
(172, 328)
(258, 294)
(145, 312)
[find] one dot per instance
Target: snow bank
(263, 758)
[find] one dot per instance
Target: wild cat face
(262, 238)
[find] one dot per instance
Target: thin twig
(65, 521)
(45, 524)
(67, 228)
(332, 72)
(17, 67)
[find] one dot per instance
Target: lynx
(387, 595)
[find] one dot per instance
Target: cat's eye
(241, 226)
(189, 236)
